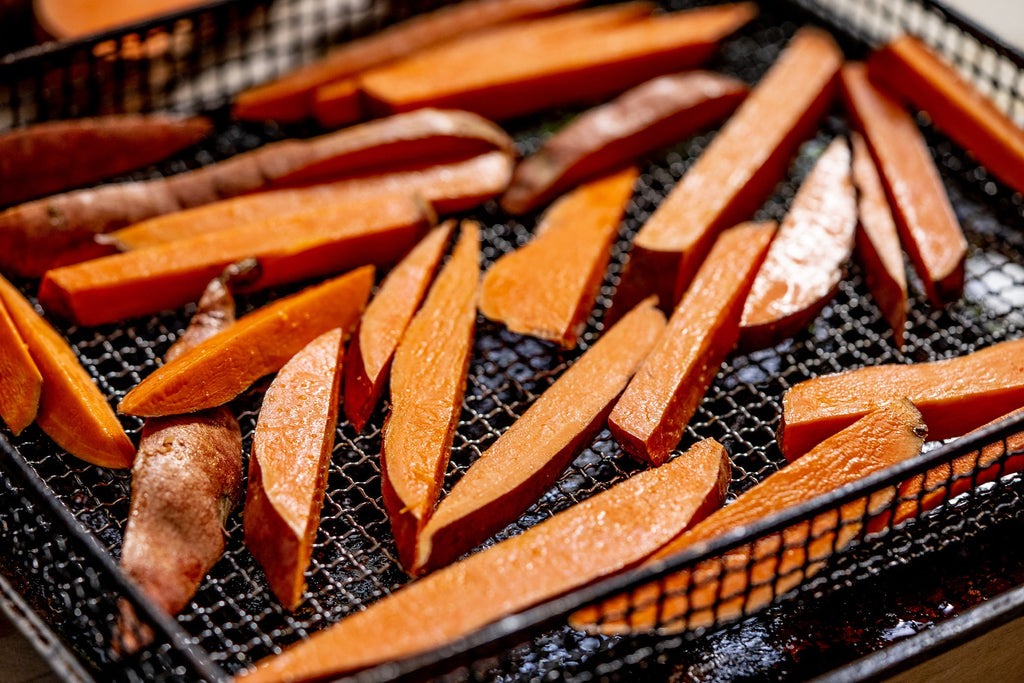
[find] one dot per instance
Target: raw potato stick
(735, 173)
(223, 366)
(603, 535)
(659, 112)
(878, 242)
(449, 188)
(805, 263)
(384, 322)
(526, 460)
(72, 411)
(289, 249)
(476, 74)
(716, 590)
(428, 379)
(21, 385)
(291, 452)
(927, 224)
(290, 98)
(33, 236)
(649, 419)
(547, 288)
(911, 68)
(955, 395)
(54, 156)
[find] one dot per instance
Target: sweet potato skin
(21, 385)
(527, 459)
(428, 378)
(604, 534)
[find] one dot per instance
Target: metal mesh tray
(62, 520)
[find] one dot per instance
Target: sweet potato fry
(21, 385)
(652, 115)
(954, 395)
(526, 460)
(475, 73)
(384, 322)
(65, 19)
(649, 419)
(548, 287)
(450, 188)
(34, 160)
(290, 98)
(805, 262)
(428, 378)
(593, 539)
(291, 451)
(223, 366)
(736, 172)
(750, 577)
(877, 242)
(292, 248)
(911, 68)
(36, 234)
(72, 411)
(927, 224)
(339, 103)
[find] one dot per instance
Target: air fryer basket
(62, 520)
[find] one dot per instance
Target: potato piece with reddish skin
(21, 385)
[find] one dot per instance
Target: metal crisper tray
(61, 520)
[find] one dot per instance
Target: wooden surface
(21, 663)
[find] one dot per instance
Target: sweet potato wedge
(338, 104)
(428, 378)
(526, 460)
(34, 160)
(384, 322)
(651, 115)
(63, 19)
(735, 173)
(927, 224)
(223, 366)
(547, 288)
(878, 242)
(21, 385)
(649, 419)
(291, 451)
(596, 538)
(805, 262)
(909, 67)
(955, 395)
(289, 249)
(72, 411)
(476, 74)
(35, 235)
(449, 188)
(750, 577)
(290, 98)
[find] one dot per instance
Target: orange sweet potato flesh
(21, 385)
(339, 103)
(909, 67)
(526, 460)
(547, 288)
(657, 113)
(601, 536)
(428, 379)
(34, 235)
(223, 366)
(954, 395)
(649, 419)
(290, 98)
(476, 74)
(34, 160)
(65, 19)
(735, 173)
(927, 224)
(805, 262)
(449, 188)
(72, 411)
(289, 249)
(384, 322)
(750, 577)
(291, 452)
